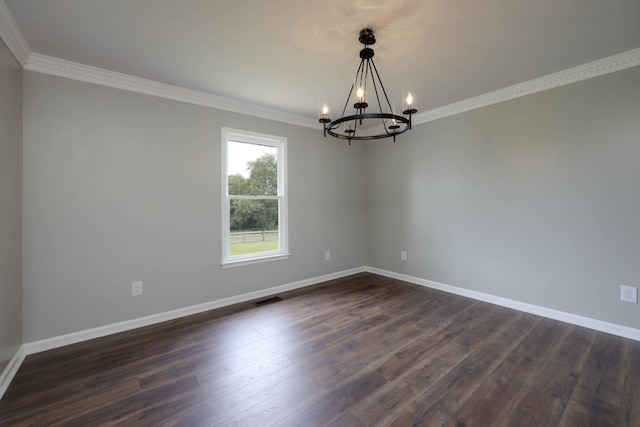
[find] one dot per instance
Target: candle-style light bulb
(360, 94)
(325, 117)
(409, 109)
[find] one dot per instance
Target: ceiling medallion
(368, 86)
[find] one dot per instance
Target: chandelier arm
(366, 75)
(393, 116)
(360, 73)
(386, 97)
(375, 88)
(355, 81)
(362, 102)
(384, 91)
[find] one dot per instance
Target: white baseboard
(574, 319)
(10, 371)
(76, 337)
(101, 331)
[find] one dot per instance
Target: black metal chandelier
(367, 81)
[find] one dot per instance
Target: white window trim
(280, 143)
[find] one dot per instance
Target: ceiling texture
(287, 55)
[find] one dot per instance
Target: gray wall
(535, 199)
(10, 206)
(121, 187)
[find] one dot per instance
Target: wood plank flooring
(364, 350)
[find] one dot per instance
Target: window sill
(239, 262)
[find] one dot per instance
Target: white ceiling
(288, 54)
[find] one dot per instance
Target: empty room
(340, 213)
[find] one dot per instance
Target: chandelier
(385, 123)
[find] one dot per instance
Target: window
(254, 180)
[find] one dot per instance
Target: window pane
(253, 226)
(252, 169)
(254, 197)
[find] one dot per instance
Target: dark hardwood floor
(364, 350)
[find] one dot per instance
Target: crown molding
(72, 70)
(12, 36)
(572, 75)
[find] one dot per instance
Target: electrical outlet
(403, 255)
(327, 255)
(136, 288)
(629, 294)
